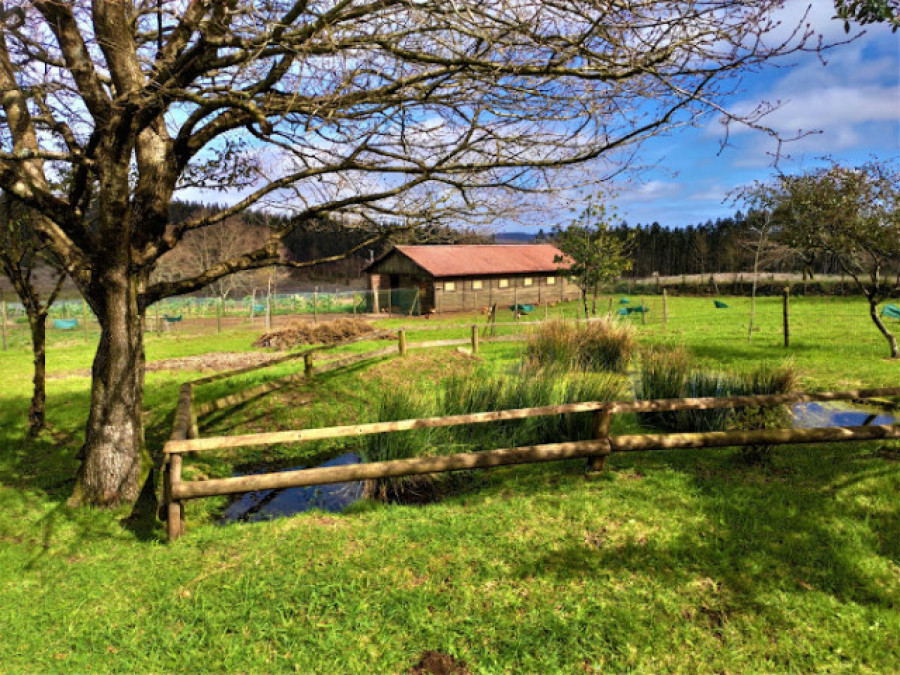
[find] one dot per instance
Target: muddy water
(268, 504)
(808, 415)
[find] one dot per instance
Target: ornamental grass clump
(670, 373)
(481, 391)
(603, 345)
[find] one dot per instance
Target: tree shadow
(766, 529)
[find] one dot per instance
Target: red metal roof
(483, 259)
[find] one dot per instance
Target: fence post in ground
(601, 423)
(3, 321)
(269, 304)
(474, 339)
(516, 301)
(175, 509)
(401, 342)
(308, 363)
(665, 308)
(787, 316)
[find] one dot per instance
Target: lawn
(676, 561)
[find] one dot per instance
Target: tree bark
(891, 339)
(37, 410)
(114, 460)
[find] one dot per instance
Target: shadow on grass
(43, 469)
(815, 526)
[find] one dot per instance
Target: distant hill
(514, 237)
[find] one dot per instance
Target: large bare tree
(380, 108)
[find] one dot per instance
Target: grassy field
(678, 561)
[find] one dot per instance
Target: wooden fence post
(401, 342)
(474, 339)
(3, 321)
(308, 363)
(665, 308)
(787, 316)
(601, 423)
(175, 510)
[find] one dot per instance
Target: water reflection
(808, 415)
(268, 504)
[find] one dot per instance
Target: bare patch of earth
(216, 362)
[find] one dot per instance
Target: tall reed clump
(481, 391)
(530, 387)
(603, 345)
(396, 405)
(670, 373)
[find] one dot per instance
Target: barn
(425, 279)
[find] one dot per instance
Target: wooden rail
(595, 449)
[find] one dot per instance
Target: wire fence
(725, 318)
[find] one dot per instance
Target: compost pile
(309, 333)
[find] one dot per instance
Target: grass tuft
(604, 345)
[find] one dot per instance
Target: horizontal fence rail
(596, 449)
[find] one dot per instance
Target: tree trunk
(892, 341)
(114, 461)
(36, 411)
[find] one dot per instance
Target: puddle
(268, 504)
(808, 415)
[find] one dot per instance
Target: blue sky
(850, 96)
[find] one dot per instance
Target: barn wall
(466, 297)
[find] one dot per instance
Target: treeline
(725, 245)
(330, 236)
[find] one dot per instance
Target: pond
(268, 504)
(843, 414)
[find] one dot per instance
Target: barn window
(449, 286)
(502, 283)
(527, 281)
(551, 281)
(477, 285)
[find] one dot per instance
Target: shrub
(599, 345)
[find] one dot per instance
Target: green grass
(677, 561)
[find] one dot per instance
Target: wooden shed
(425, 279)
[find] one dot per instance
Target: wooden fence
(184, 440)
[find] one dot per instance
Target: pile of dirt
(438, 663)
(309, 333)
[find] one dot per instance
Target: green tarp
(65, 324)
(891, 311)
(720, 305)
